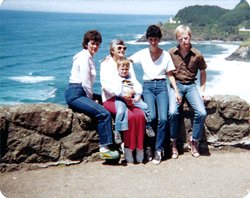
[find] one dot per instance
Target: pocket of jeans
(71, 94)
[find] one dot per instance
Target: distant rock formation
(50, 133)
(241, 54)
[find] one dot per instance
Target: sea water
(36, 50)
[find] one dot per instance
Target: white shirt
(83, 71)
(136, 86)
(110, 79)
(153, 69)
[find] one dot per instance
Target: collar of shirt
(177, 50)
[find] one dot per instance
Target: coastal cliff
(209, 23)
(51, 133)
(240, 54)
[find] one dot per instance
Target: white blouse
(83, 71)
(153, 69)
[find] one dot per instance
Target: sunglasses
(122, 47)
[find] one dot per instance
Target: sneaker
(117, 137)
(122, 148)
(128, 155)
(149, 154)
(150, 132)
(157, 157)
(139, 155)
(193, 145)
(109, 154)
(175, 153)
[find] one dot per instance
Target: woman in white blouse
(157, 65)
(79, 94)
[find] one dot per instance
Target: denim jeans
(78, 101)
(121, 118)
(144, 107)
(155, 95)
(191, 93)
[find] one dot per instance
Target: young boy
(131, 95)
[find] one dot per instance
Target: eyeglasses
(122, 47)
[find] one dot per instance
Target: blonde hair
(123, 62)
(181, 29)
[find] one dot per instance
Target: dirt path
(223, 174)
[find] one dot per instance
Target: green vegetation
(213, 22)
(246, 42)
(200, 15)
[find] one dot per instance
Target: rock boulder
(41, 133)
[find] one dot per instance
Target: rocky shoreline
(241, 54)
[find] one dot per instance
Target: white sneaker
(139, 155)
(128, 155)
(157, 157)
(122, 147)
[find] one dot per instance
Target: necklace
(155, 54)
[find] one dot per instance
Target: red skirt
(134, 136)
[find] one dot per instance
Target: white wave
(35, 94)
(28, 94)
(137, 36)
(134, 42)
(42, 94)
(32, 79)
(233, 78)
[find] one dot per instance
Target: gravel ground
(222, 174)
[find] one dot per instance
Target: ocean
(36, 52)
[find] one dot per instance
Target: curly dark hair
(91, 35)
(154, 31)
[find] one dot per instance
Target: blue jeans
(155, 95)
(121, 118)
(191, 93)
(78, 101)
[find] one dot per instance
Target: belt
(188, 83)
(161, 79)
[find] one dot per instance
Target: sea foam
(134, 42)
(32, 79)
(233, 78)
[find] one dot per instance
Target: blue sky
(161, 7)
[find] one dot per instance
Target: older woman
(79, 95)
(134, 136)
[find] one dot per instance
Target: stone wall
(42, 133)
